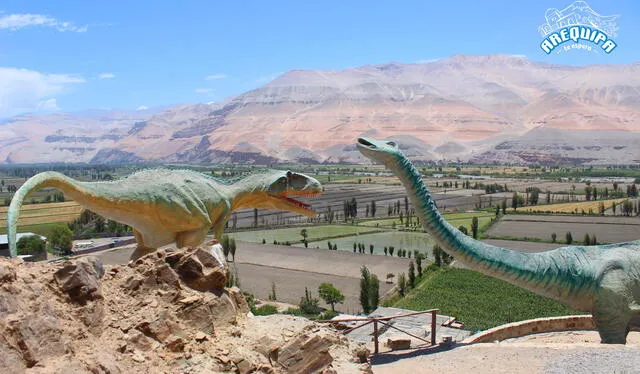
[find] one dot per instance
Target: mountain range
(488, 108)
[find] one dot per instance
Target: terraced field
(293, 234)
(576, 207)
(38, 214)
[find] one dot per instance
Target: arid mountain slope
(455, 108)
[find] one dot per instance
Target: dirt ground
(562, 352)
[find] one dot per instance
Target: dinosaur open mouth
(295, 202)
(365, 142)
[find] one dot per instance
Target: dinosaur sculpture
(165, 206)
(602, 279)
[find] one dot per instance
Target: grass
(480, 301)
(569, 207)
(293, 234)
(43, 229)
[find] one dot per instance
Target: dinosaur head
(381, 151)
(281, 186)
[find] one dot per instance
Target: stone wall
(533, 326)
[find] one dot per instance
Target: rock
(200, 270)
(305, 354)
(175, 344)
(244, 366)
(80, 279)
(7, 272)
(398, 343)
(362, 354)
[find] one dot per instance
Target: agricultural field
(293, 234)
(576, 207)
(41, 214)
(480, 301)
(607, 229)
(455, 219)
(409, 240)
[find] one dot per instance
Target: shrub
(265, 310)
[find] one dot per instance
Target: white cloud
(142, 107)
(215, 76)
(48, 105)
(428, 61)
(106, 76)
(24, 90)
(20, 21)
(519, 56)
(268, 78)
(203, 90)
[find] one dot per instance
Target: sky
(77, 55)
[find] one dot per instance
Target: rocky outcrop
(166, 312)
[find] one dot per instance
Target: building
(4, 242)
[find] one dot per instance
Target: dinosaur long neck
(548, 274)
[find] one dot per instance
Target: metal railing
(384, 322)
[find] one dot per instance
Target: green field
(481, 302)
(409, 240)
(293, 234)
(456, 219)
(43, 229)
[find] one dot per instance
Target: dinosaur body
(165, 206)
(602, 279)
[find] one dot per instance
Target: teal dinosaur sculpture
(602, 279)
(165, 206)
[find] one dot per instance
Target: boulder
(199, 269)
(80, 278)
(305, 354)
(398, 343)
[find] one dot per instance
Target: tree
(587, 239)
(412, 275)
(272, 296)
(308, 304)
(373, 208)
(330, 295)
(437, 252)
(371, 248)
(61, 239)
(553, 237)
(474, 227)
(98, 224)
(418, 257)
(504, 206)
(569, 238)
(304, 234)
(402, 284)
(514, 201)
(32, 245)
(369, 290)
(463, 229)
(232, 248)
(255, 217)
(224, 242)
(391, 249)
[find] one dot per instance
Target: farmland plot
(607, 229)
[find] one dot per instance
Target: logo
(580, 24)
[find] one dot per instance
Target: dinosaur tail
(38, 181)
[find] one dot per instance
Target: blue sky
(75, 55)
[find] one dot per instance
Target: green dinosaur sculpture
(165, 206)
(602, 279)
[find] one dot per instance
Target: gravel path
(551, 353)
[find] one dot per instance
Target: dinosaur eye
(393, 144)
(289, 174)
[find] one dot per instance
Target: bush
(32, 245)
(265, 310)
(61, 240)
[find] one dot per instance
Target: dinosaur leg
(141, 249)
(612, 313)
(191, 238)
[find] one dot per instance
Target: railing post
(433, 328)
(375, 335)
